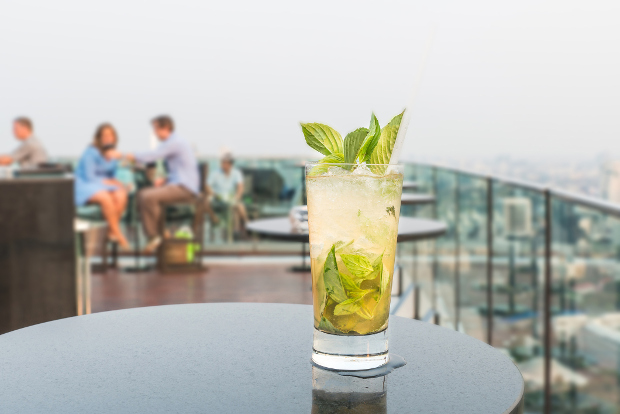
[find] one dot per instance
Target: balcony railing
(531, 270)
(534, 272)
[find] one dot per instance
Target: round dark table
(237, 358)
(409, 229)
(416, 199)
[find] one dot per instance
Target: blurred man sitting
(225, 190)
(182, 182)
(31, 152)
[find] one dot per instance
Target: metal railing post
(457, 256)
(435, 258)
(416, 302)
(489, 260)
(547, 303)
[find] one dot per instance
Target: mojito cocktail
(353, 213)
(354, 195)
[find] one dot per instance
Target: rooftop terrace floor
(249, 282)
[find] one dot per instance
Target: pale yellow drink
(353, 222)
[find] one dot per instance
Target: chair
(92, 214)
(171, 254)
(142, 178)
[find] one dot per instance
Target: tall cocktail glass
(353, 213)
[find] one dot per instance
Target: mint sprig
(383, 151)
(345, 290)
(322, 138)
(371, 145)
(374, 134)
(352, 144)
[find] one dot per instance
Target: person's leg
(209, 210)
(242, 212)
(120, 200)
(119, 197)
(149, 208)
(240, 217)
(108, 208)
(150, 203)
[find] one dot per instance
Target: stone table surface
(237, 358)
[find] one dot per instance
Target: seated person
(95, 181)
(225, 189)
(31, 152)
(181, 184)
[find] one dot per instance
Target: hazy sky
(522, 78)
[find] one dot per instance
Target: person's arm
(210, 181)
(18, 155)
(6, 160)
(160, 153)
(111, 177)
(163, 151)
(240, 189)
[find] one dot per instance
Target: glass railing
(547, 296)
(532, 271)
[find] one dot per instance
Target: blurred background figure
(31, 152)
(225, 190)
(95, 181)
(181, 184)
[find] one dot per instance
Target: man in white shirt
(225, 189)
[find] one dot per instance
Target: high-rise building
(610, 181)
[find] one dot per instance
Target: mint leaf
(358, 265)
(377, 267)
(323, 166)
(352, 288)
(352, 144)
(348, 307)
(326, 326)
(349, 284)
(372, 139)
(383, 150)
(367, 311)
(385, 280)
(331, 278)
(322, 138)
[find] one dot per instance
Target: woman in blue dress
(95, 181)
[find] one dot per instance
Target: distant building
(517, 216)
(600, 340)
(611, 181)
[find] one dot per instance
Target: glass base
(350, 353)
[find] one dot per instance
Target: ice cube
(335, 170)
(363, 169)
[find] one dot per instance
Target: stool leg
(114, 255)
(105, 256)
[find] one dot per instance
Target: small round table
(238, 358)
(416, 199)
(409, 229)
